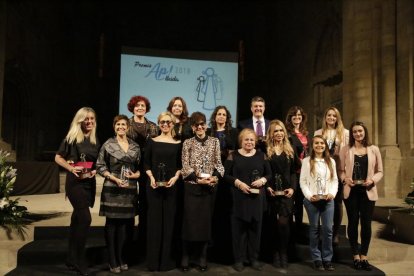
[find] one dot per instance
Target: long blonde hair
(339, 126)
(75, 132)
(287, 147)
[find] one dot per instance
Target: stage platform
(42, 253)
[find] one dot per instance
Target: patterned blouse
(201, 156)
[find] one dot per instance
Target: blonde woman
(319, 184)
(162, 163)
(247, 171)
(80, 144)
(337, 137)
(280, 189)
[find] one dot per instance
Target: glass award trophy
(124, 173)
(278, 188)
(203, 170)
(255, 175)
(357, 174)
(320, 194)
(161, 179)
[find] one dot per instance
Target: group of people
(187, 181)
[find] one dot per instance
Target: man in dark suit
(258, 122)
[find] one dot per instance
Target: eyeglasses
(200, 124)
(165, 122)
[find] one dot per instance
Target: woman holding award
(162, 164)
(337, 137)
(80, 141)
(201, 170)
(280, 189)
(319, 184)
(182, 128)
(118, 163)
(360, 171)
(247, 170)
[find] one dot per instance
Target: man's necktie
(259, 129)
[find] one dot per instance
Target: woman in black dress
(201, 169)
(182, 127)
(162, 165)
(280, 189)
(296, 126)
(118, 163)
(80, 144)
(247, 170)
(221, 128)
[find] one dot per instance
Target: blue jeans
(324, 211)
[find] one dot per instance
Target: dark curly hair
(213, 123)
(135, 99)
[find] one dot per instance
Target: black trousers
(162, 203)
(81, 195)
(246, 239)
(359, 208)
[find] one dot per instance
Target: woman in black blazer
(300, 140)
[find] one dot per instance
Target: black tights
(115, 235)
(281, 234)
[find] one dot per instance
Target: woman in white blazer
(360, 172)
(319, 184)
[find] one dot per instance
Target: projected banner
(204, 80)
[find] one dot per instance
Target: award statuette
(203, 170)
(320, 194)
(278, 191)
(357, 174)
(161, 180)
(255, 175)
(123, 176)
(83, 166)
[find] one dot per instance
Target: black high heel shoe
(357, 264)
(365, 265)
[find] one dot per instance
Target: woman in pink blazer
(360, 172)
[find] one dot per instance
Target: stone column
(370, 79)
(391, 154)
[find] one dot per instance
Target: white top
(308, 182)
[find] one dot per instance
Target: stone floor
(391, 257)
